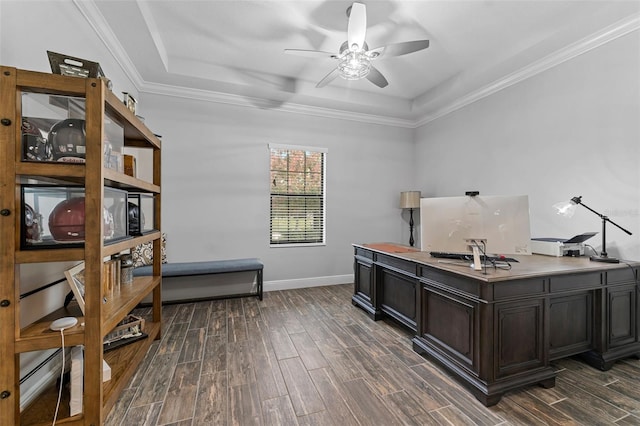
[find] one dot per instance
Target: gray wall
(29, 28)
(216, 167)
(215, 184)
(571, 130)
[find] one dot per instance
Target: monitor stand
(477, 263)
(474, 245)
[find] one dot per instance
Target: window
(297, 195)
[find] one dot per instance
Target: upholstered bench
(184, 269)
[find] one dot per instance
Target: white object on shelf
(106, 371)
(77, 375)
(77, 378)
(63, 323)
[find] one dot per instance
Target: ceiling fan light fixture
(354, 65)
(354, 57)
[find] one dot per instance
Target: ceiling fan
(355, 57)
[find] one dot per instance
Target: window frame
(314, 149)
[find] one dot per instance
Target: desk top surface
(528, 266)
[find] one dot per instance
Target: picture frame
(75, 278)
(70, 65)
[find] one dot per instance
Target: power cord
(594, 250)
(633, 274)
(483, 249)
(504, 265)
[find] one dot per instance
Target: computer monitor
(448, 224)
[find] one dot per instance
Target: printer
(561, 247)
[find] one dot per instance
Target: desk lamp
(410, 200)
(567, 209)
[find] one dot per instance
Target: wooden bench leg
(260, 284)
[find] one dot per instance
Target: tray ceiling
(233, 51)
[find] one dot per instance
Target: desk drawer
(451, 282)
(518, 288)
(399, 264)
(364, 253)
(621, 276)
(575, 281)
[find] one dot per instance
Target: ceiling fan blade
(357, 27)
(328, 78)
(377, 78)
(398, 49)
(311, 53)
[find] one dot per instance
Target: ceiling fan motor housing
(354, 57)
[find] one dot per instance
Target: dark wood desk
(500, 330)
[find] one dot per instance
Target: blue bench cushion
(182, 269)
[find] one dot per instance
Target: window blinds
(297, 184)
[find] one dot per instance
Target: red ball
(66, 221)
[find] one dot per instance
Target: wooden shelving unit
(99, 318)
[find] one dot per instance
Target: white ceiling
(233, 51)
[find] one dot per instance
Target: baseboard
(307, 282)
(42, 375)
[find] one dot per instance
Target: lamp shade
(410, 200)
(565, 208)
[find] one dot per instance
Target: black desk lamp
(410, 200)
(567, 209)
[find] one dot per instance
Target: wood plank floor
(309, 357)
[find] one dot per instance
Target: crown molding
(610, 33)
(261, 103)
(152, 27)
(99, 24)
(103, 30)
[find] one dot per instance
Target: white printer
(559, 246)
